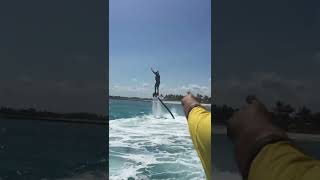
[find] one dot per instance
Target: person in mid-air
(156, 86)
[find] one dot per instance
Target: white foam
(144, 146)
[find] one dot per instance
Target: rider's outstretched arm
(153, 71)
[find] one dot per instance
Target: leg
(157, 87)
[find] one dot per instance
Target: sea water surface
(33, 149)
(224, 164)
(144, 144)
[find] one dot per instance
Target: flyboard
(164, 105)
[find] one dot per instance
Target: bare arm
(153, 71)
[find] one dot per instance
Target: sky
(267, 48)
(53, 55)
(173, 37)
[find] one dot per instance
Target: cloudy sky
(53, 55)
(267, 48)
(173, 37)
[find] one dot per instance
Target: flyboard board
(155, 96)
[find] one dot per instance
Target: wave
(145, 147)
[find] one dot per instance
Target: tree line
(178, 97)
(31, 112)
(301, 120)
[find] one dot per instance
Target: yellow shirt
(199, 121)
(282, 161)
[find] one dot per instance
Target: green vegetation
(130, 98)
(176, 97)
(300, 120)
(33, 113)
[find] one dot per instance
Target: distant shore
(220, 129)
(179, 102)
(130, 98)
(150, 99)
(43, 115)
(52, 119)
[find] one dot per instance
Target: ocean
(143, 146)
(147, 143)
(45, 150)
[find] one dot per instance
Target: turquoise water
(143, 146)
(119, 109)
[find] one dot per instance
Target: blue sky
(173, 37)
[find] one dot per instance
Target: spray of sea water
(152, 146)
(156, 108)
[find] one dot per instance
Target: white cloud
(140, 90)
(134, 80)
(269, 88)
(193, 88)
(145, 85)
(116, 86)
(145, 90)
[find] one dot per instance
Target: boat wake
(152, 146)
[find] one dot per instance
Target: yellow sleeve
(199, 121)
(282, 161)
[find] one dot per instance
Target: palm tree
(303, 117)
(282, 114)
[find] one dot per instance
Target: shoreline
(165, 101)
(219, 129)
(178, 102)
(149, 99)
(50, 119)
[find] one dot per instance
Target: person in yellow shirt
(199, 122)
(264, 151)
